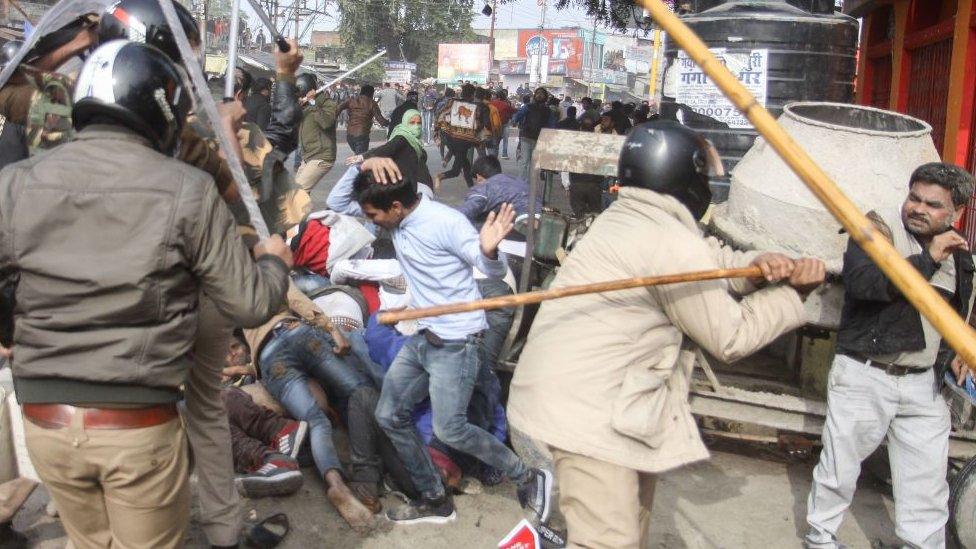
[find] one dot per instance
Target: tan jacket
(607, 375)
(299, 307)
(113, 242)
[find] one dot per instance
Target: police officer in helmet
(623, 360)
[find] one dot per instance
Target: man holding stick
(604, 378)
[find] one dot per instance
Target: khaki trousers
(124, 488)
(605, 505)
(311, 172)
(208, 429)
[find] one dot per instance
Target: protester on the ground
(405, 148)
(299, 344)
(493, 189)
(635, 398)
(533, 119)
(265, 446)
(461, 131)
(112, 373)
(317, 134)
(362, 112)
(258, 104)
(890, 364)
(570, 122)
(387, 99)
(396, 117)
(506, 111)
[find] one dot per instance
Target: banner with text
(457, 63)
(702, 96)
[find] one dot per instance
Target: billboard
(551, 52)
(398, 72)
(457, 63)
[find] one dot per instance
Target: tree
(408, 29)
(615, 14)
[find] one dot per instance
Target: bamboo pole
(528, 298)
(916, 289)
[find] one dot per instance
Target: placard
(695, 90)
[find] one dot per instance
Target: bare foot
(366, 493)
(352, 511)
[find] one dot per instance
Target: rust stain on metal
(577, 152)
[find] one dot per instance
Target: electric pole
(491, 37)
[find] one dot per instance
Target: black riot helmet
(144, 21)
(669, 158)
(305, 83)
(136, 86)
(8, 50)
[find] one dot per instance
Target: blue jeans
(503, 141)
(527, 147)
(427, 117)
(448, 374)
(287, 361)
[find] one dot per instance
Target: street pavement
(745, 496)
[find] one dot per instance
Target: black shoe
(439, 511)
(535, 493)
(277, 476)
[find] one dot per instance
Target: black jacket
(286, 117)
(878, 320)
(258, 110)
(411, 166)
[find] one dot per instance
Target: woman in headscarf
(405, 148)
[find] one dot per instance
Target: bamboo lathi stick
(916, 289)
(528, 298)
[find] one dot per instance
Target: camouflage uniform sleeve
(197, 152)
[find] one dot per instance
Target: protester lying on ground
(326, 238)
(404, 147)
(265, 446)
(437, 247)
(300, 344)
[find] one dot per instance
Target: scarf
(410, 132)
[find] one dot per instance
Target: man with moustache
(886, 377)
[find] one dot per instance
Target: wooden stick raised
(528, 298)
(909, 282)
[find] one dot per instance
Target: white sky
(518, 14)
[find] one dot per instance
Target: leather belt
(888, 367)
(56, 416)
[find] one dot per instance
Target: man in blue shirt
(493, 189)
(437, 247)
